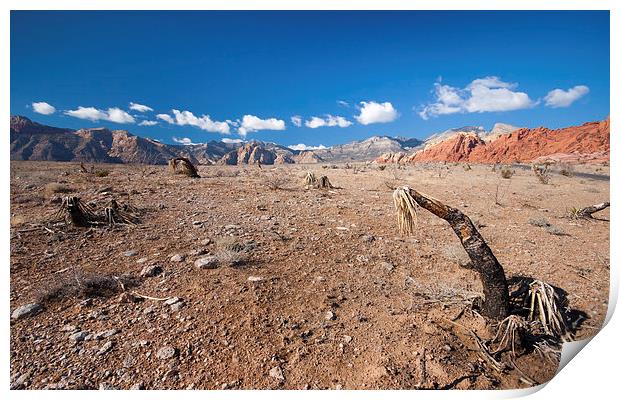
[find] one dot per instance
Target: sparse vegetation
(507, 172)
(101, 173)
(542, 173)
(54, 188)
(566, 169)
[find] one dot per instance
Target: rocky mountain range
(504, 143)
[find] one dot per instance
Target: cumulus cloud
(184, 141)
(296, 120)
(303, 147)
(139, 107)
(43, 108)
(372, 113)
(330, 120)
(148, 123)
(229, 140)
(564, 98)
(251, 123)
(204, 122)
(481, 95)
(113, 114)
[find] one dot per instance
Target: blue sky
(246, 74)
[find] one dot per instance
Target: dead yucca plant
(542, 303)
(73, 211)
(542, 173)
(309, 180)
(406, 209)
(182, 165)
(510, 335)
(586, 212)
(324, 183)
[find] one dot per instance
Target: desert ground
(315, 288)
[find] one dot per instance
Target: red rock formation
(530, 144)
(392, 158)
(457, 148)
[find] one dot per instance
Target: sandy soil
(330, 296)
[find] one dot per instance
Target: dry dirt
(330, 295)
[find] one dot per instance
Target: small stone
(129, 361)
(330, 316)
(177, 306)
(105, 334)
(137, 386)
(166, 352)
(130, 253)
(387, 266)
(347, 338)
(177, 258)
(276, 372)
(368, 238)
(142, 260)
(206, 242)
(106, 347)
(79, 336)
(209, 262)
(254, 278)
(171, 301)
(151, 270)
(27, 310)
(69, 328)
(107, 386)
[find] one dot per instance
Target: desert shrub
(540, 222)
(382, 167)
(80, 284)
(566, 169)
(542, 173)
(230, 252)
(555, 230)
(102, 173)
(53, 188)
(507, 172)
(275, 182)
(467, 167)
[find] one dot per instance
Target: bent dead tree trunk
(483, 260)
(182, 165)
(587, 212)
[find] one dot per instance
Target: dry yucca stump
(183, 166)
(483, 261)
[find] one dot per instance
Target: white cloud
(148, 123)
(481, 95)
(564, 98)
(184, 141)
(330, 120)
(165, 117)
(139, 107)
(372, 112)
(43, 108)
(119, 116)
(343, 103)
(113, 114)
(296, 120)
(229, 140)
(251, 123)
(204, 122)
(303, 147)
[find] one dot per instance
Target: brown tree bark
(483, 260)
(587, 212)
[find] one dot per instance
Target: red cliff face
(457, 148)
(585, 143)
(589, 142)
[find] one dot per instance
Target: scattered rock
(389, 267)
(177, 306)
(142, 260)
(130, 253)
(330, 316)
(151, 270)
(107, 386)
(276, 372)
(27, 310)
(368, 238)
(166, 352)
(254, 278)
(105, 334)
(137, 386)
(347, 338)
(106, 347)
(172, 301)
(79, 336)
(209, 262)
(177, 258)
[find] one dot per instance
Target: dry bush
(381, 167)
(540, 222)
(53, 188)
(555, 230)
(542, 173)
(79, 284)
(507, 172)
(467, 167)
(102, 173)
(230, 252)
(225, 173)
(566, 169)
(276, 181)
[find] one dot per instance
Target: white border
(593, 373)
